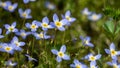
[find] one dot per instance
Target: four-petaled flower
(11, 7)
(27, 1)
(35, 24)
(86, 11)
(11, 28)
(41, 35)
(93, 64)
(68, 17)
(17, 44)
(59, 24)
(25, 14)
(112, 51)
(114, 63)
(10, 63)
(77, 64)
(30, 58)
(94, 17)
(45, 24)
(86, 41)
(91, 57)
(60, 54)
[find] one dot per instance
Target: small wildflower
(23, 34)
(7, 48)
(11, 28)
(25, 14)
(86, 41)
(86, 11)
(30, 58)
(16, 42)
(4, 4)
(11, 7)
(50, 5)
(59, 24)
(35, 24)
(68, 17)
(93, 64)
(114, 63)
(10, 63)
(60, 54)
(45, 24)
(77, 64)
(27, 1)
(112, 51)
(41, 35)
(91, 57)
(94, 17)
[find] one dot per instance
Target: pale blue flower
(94, 17)
(91, 57)
(30, 58)
(11, 28)
(114, 64)
(11, 7)
(77, 64)
(49, 5)
(93, 64)
(60, 54)
(10, 63)
(112, 51)
(86, 11)
(68, 17)
(27, 1)
(25, 14)
(1, 36)
(86, 41)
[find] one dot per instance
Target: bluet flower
(86, 11)
(11, 28)
(50, 5)
(11, 7)
(10, 63)
(9, 48)
(93, 64)
(68, 17)
(45, 24)
(59, 24)
(77, 64)
(114, 63)
(27, 1)
(17, 44)
(112, 51)
(25, 14)
(91, 57)
(35, 24)
(41, 35)
(94, 17)
(30, 58)
(86, 41)
(23, 34)
(4, 4)
(60, 54)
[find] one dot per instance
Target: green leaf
(117, 28)
(109, 27)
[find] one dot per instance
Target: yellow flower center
(113, 52)
(60, 54)
(78, 66)
(8, 48)
(92, 66)
(10, 8)
(24, 14)
(16, 43)
(3, 4)
(94, 17)
(68, 18)
(115, 66)
(58, 24)
(45, 25)
(33, 26)
(23, 34)
(11, 28)
(92, 58)
(41, 35)
(85, 41)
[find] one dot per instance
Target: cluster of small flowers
(114, 54)
(90, 57)
(91, 15)
(15, 44)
